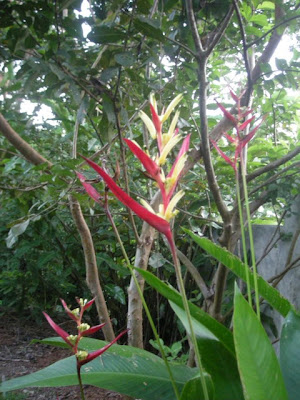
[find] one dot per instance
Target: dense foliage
(68, 92)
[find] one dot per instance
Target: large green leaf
(232, 262)
(124, 369)
(217, 361)
(193, 390)
(207, 326)
(258, 365)
(106, 34)
(148, 27)
(290, 354)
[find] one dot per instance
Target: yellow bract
(166, 150)
(149, 124)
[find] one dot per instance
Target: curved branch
(23, 147)
(220, 31)
(273, 164)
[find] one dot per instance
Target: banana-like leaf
(207, 326)
(273, 297)
(220, 363)
(258, 365)
(123, 369)
(290, 354)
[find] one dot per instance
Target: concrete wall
(275, 261)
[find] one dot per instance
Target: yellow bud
(82, 355)
(83, 327)
(76, 312)
(72, 339)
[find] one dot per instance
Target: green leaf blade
(258, 365)
(275, 299)
(290, 354)
(123, 369)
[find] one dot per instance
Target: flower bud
(82, 355)
(83, 327)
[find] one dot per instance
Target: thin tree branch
(220, 31)
(286, 21)
(243, 34)
(273, 165)
(23, 147)
(194, 29)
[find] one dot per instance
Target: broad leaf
(290, 354)
(232, 262)
(209, 327)
(148, 27)
(258, 365)
(193, 390)
(217, 361)
(123, 369)
(105, 34)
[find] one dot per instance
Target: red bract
(97, 353)
(239, 141)
(150, 166)
(152, 219)
(82, 357)
(91, 191)
(63, 334)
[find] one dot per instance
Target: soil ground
(18, 357)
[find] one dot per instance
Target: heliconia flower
(157, 222)
(156, 120)
(82, 356)
(63, 334)
(149, 124)
(171, 107)
(167, 148)
(84, 303)
(223, 155)
(150, 166)
(70, 312)
(94, 354)
(92, 192)
(169, 213)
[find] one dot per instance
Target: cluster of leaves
(47, 60)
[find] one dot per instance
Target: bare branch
(271, 166)
(23, 147)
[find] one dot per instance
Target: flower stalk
(167, 185)
(240, 141)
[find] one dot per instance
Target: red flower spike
(246, 123)
(223, 155)
(250, 135)
(152, 219)
(184, 149)
(155, 118)
(230, 138)
(89, 304)
(227, 114)
(234, 96)
(91, 191)
(150, 166)
(92, 330)
(158, 125)
(98, 353)
(68, 311)
(63, 334)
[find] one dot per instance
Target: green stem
(147, 311)
(250, 239)
(80, 383)
(188, 314)
(243, 238)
